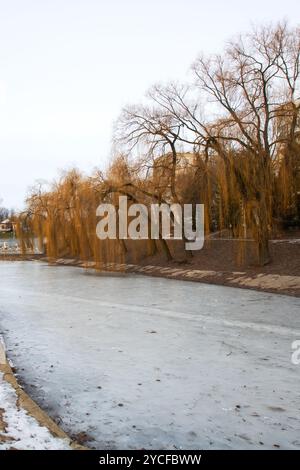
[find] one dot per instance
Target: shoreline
(270, 282)
(21, 411)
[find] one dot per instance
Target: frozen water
(140, 362)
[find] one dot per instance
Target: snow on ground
(22, 431)
(137, 362)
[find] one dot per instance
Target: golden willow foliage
(63, 219)
(243, 165)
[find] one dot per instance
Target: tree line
(228, 139)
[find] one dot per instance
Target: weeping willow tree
(62, 217)
(239, 115)
(63, 220)
(229, 141)
(287, 165)
(287, 192)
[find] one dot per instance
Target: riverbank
(218, 264)
(273, 283)
(215, 264)
(23, 425)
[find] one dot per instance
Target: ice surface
(140, 362)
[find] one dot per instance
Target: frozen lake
(139, 362)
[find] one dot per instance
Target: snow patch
(22, 431)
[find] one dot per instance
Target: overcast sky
(68, 66)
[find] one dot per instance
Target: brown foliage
(243, 163)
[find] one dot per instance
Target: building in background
(6, 226)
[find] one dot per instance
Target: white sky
(68, 66)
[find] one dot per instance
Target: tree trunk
(263, 252)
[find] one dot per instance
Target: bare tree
(155, 132)
(252, 83)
